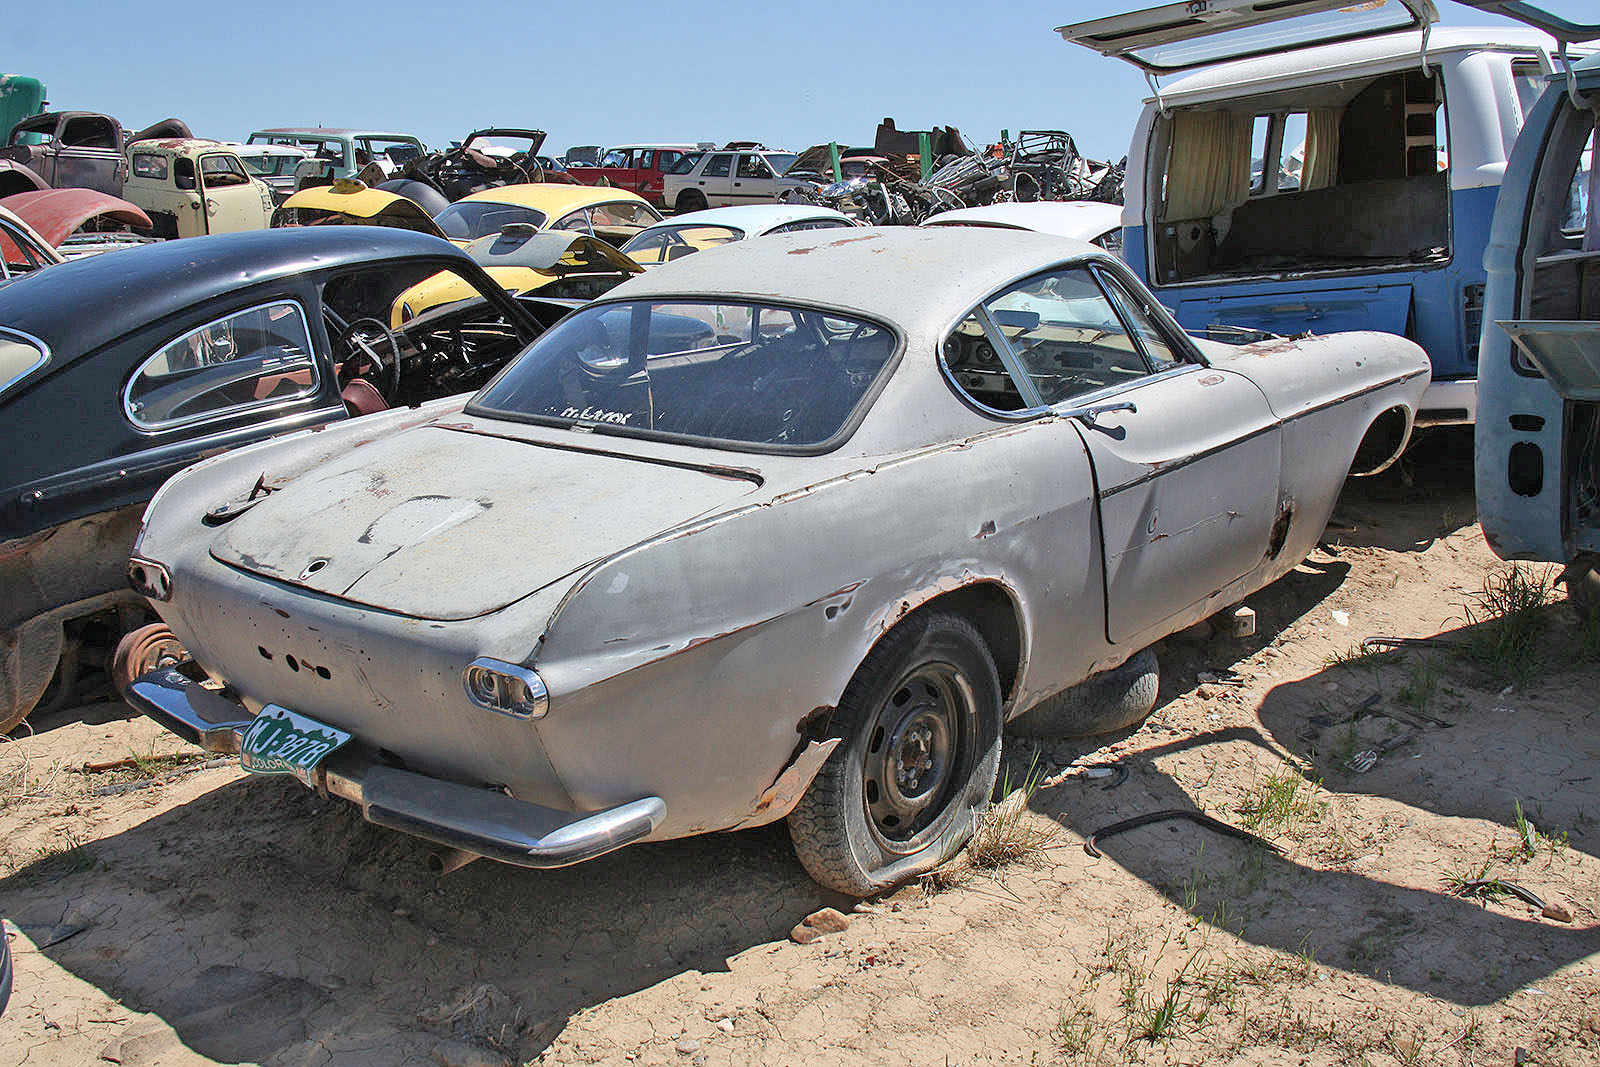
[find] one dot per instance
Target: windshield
(396, 151)
(781, 161)
(468, 220)
(743, 374)
(273, 166)
(662, 243)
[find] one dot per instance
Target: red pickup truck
(635, 167)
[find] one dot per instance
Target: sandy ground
(214, 918)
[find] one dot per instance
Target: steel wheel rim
(917, 751)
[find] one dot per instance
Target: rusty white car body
(923, 480)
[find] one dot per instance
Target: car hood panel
(442, 524)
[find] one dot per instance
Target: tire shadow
(264, 924)
(1535, 747)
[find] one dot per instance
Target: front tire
(920, 724)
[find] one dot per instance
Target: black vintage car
(118, 370)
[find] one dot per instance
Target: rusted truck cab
(68, 149)
(191, 187)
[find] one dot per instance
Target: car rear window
(468, 220)
(743, 375)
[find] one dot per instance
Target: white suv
(728, 178)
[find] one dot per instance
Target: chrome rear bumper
(475, 820)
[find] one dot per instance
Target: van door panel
(1289, 311)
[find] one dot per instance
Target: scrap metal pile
(1038, 165)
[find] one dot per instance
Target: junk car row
(534, 553)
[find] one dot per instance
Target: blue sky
(597, 72)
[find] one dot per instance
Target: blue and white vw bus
(1538, 435)
(1333, 167)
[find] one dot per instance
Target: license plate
(280, 741)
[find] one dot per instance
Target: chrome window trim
(38, 345)
(267, 404)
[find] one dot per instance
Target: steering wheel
(372, 352)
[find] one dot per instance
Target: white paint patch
(618, 584)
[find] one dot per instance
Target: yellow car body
(348, 202)
(613, 215)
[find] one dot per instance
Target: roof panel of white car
(912, 276)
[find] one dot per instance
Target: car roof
(131, 288)
(1330, 61)
(180, 145)
(680, 145)
(1080, 219)
(754, 218)
(334, 132)
(915, 277)
(267, 149)
(551, 198)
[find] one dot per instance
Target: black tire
(921, 724)
(690, 200)
(1108, 701)
(1582, 579)
(5, 969)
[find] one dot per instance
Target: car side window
(1065, 335)
(217, 171)
(686, 163)
(614, 159)
(644, 158)
(577, 220)
(812, 224)
(718, 165)
(753, 167)
(1137, 313)
(183, 172)
(973, 363)
(252, 358)
(667, 160)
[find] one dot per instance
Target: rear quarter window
(19, 357)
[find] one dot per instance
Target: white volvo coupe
(786, 531)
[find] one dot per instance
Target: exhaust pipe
(443, 861)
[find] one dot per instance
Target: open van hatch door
(1198, 33)
(1563, 30)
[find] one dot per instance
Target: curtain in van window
(1210, 168)
(1322, 147)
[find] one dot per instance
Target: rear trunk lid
(444, 524)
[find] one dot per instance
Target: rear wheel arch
(994, 610)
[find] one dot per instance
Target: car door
(232, 201)
(89, 155)
(715, 179)
(1186, 457)
(753, 181)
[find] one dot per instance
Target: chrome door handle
(1093, 411)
